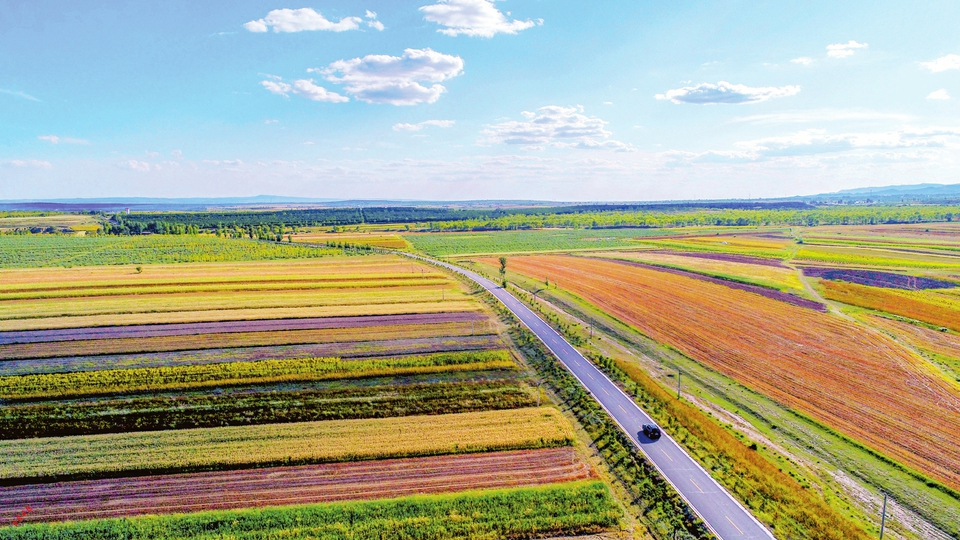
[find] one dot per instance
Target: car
(651, 431)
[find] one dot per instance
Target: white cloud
(54, 139)
(843, 50)
(940, 95)
(177, 154)
(420, 125)
(304, 88)
(31, 163)
(818, 141)
(823, 115)
(298, 20)
(373, 22)
(379, 78)
(561, 127)
(135, 165)
(944, 63)
(724, 92)
(18, 94)
(804, 60)
(477, 18)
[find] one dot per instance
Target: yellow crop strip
(307, 442)
(86, 383)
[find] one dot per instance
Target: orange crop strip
(891, 302)
(857, 381)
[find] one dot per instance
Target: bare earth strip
(361, 349)
(195, 492)
(269, 325)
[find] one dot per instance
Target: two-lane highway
(722, 513)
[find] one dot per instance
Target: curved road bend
(722, 513)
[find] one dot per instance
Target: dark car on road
(651, 431)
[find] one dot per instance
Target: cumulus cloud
(31, 163)
(724, 92)
(477, 18)
(561, 127)
(299, 20)
(944, 63)
(843, 50)
(379, 78)
(303, 88)
(420, 125)
(372, 21)
(940, 95)
(804, 60)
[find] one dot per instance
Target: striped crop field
(384, 397)
(859, 382)
(943, 347)
(745, 269)
(98, 296)
(158, 379)
(927, 306)
(742, 244)
(305, 484)
(51, 349)
(225, 448)
(573, 508)
(478, 340)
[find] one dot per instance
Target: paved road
(722, 513)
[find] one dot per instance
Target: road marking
(701, 490)
(734, 524)
(591, 376)
(671, 459)
(621, 408)
(605, 390)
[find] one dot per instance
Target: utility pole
(678, 382)
(883, 515)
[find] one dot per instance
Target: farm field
(928, 306)
(488, 242)
(359, 285)
(132, 454)
(34, 251)
(942, 348)
(762, 272)
(305, 484)
(555, 509)
(860, 383)
(320, 380)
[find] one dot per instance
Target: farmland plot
(195, 492)
(858, 382)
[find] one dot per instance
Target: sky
(476, 99)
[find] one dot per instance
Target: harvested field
(755, 289)
(530, 512)
(874, 278)
(389, 241)
(943, 346)
(195, 492)
(913, 305)
(123, 381)
(161, 452)
(238, 339)
(269, 325)
(269, 404)
(356, 349)
(858, 382)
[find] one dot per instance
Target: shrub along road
(723, 514)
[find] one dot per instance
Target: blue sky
(473, 99)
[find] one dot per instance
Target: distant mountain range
(908, 193)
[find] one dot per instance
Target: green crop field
(573, 508)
